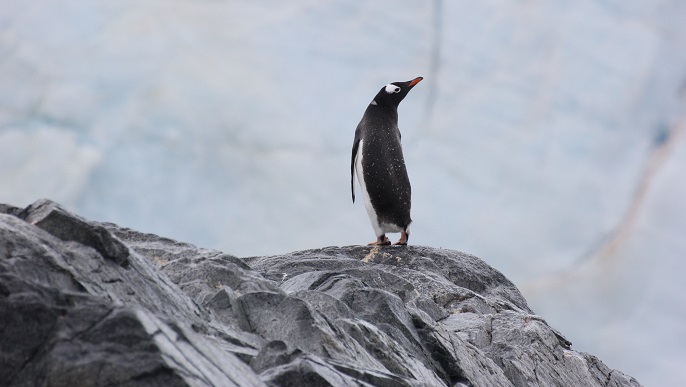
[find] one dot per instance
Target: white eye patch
(391, 88)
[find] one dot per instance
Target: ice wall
(547, 137)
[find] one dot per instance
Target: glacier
(547, 138)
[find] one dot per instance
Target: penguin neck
(385, 112)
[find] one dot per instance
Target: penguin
(377, 160)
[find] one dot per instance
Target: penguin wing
(356, 145)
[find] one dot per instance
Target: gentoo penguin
(378, 160)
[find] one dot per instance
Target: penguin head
(393, 93)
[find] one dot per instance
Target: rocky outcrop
(89, 304)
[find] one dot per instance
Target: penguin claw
(380, 241)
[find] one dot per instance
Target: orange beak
(415, 81)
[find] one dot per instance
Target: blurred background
(547, 138)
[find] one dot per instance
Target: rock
(69, 227)
(87, 303)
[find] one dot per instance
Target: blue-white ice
(547, 138)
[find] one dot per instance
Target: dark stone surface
(91, 304)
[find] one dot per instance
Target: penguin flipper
(356, 145)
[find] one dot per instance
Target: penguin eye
(391, 88)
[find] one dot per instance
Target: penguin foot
(380, 241)
(403, 239)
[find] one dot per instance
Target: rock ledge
(90, 304)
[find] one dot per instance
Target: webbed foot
(380, 241)
(404, 237)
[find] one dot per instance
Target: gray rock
(69, 227)
(90, 304)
